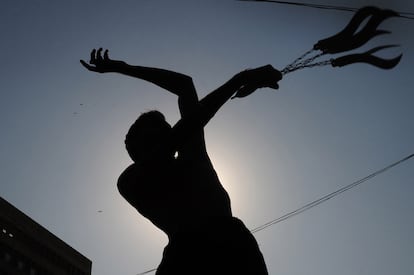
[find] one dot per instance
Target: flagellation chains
(349, 39)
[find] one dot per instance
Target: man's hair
(137, 136)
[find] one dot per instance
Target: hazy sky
(63, 128)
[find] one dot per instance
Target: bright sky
(61, 147)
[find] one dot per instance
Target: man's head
(149, 132)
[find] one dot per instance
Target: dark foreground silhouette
(172, 181)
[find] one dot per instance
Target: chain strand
(301, 62)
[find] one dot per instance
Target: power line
(406, 15)
(328, 196)
(316, 6)
(148, 271)
(319, 201)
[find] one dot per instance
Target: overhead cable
(406, 15)
(328, 196)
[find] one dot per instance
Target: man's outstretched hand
(262, 77)
(102, 64)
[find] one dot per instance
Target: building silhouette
(28, 248)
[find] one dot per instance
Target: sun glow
(232, 174)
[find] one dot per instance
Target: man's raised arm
(176, 83)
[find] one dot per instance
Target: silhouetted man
(172, 181)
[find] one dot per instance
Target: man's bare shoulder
(128, 176)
